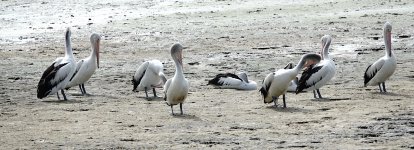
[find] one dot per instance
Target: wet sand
(219, 36)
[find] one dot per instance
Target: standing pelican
(149, 75)
(57, 75)
(277, 83)
(86, 67)
(232, 81)
(318, 75)
(378, 72)
(176, 88)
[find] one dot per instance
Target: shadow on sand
(287, 109)
(186, 116)
(329, 99)
(62, 101)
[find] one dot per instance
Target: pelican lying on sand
(232, 81)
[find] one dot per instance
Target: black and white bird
(277, 83)
(233, 81)
(149, 75)
(57, 75)
(378, 72)
(316, 76)
(176, 88)
(85, 68)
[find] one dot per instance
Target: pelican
(277, 83)
(318, 75)
(86, 67)
(232, 81)
(378, 72)
(176, 88)
(57, 75)
(294, 83)
(149, 75)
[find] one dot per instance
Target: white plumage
(176, 88)
(382, 69)
(149, 75)
(277, 83)
(318, 75)
(85, 68)
(57, 75)
(232, 81)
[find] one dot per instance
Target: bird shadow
(287, 109)
(330, 99)
(391, 94)
(152, 98)
(186, 116)
(62, 101)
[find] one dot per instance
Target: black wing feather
(44, 86)
(368, 77)
(264, 90)
(307, 73)
(215, 80)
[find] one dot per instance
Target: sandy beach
(218, 36)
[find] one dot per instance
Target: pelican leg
(64, 96)
(314, 94)
(379, 85)
(80, 88)
(57, 93)
(146, 93)
(274, 98)
(319, 93)
(284, 102)
(181, 108)
(155, 93)
(383, 87)
(172, 111)
(84, 90)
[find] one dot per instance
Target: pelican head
(325, 41)
(177, 53)
(387, 37)
(243, 76)
(95, 40)
(289, 66)
(67, 40)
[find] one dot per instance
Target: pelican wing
(372, 70)
(52, 76)
(166, 86)
(225, 79)
(139, 74)
(310, 77)
(78, 66)
(267, 82)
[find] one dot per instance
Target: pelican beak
(97, 52)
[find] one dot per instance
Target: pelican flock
(277, 83)
(232, 81)
(320, 69)
(85, 68)
(176, 88)
(149, 75)
(57, 75)
(316, 76)
(378, 72)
